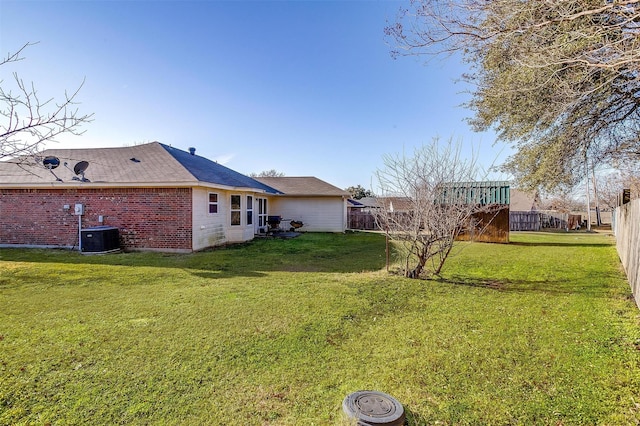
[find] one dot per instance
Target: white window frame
(262, 212)
(249, 214)
(213, 203)
(235, 212)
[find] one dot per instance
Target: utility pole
(586, 169)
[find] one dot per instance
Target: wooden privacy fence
(627, 231)
(367, 220)
(524, 221)
(362, 220)
(488, 226)
(535, 221)
(518, 221)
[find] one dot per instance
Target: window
(213, 203)
(262, 212)
(249, 210)
(235, 210)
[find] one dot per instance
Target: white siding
(215, 229)
(243, 232)
(208, 229)
(319, 214)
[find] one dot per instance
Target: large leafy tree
(357, 192)
(559, 79)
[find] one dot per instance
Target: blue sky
(304, 87)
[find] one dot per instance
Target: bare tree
(563, 202)
(27, 122)
(612, 184)
(432, 205)
(558, 79)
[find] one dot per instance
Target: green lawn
(278, 332)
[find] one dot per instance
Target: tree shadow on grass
(559, 244)
(591, 287)
(341, 253)
(217, 275)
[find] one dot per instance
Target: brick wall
(147, 218)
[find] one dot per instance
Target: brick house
(158, 197)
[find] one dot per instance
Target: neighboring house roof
(369, 201)
(389, 203)
(152, 164)
(397, 204)
(303, 186)
(523, 201)
(354, 203)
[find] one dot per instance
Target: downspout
(345, 214)
(80, 233)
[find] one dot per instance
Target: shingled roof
(523, 200)
(148, 164)
(303, 186)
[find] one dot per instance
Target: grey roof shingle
(523, 200)
(151, 163)
(205, 170)
(303, 186)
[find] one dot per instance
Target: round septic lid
(372, 408)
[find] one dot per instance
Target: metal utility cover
(373, 408)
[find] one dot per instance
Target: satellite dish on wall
(79, 169)
(50, 162)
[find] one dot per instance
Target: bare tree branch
(27, 122)
(425, 203)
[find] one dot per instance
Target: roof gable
(523, 200)
(303, 186)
